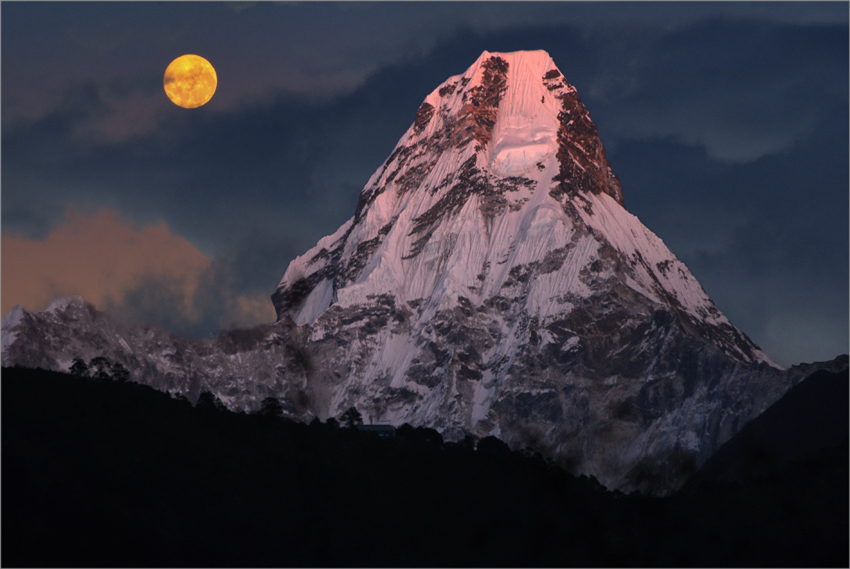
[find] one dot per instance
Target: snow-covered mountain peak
(524, 77)
(14, 317)
(9, 323)
(63, 303)
(492, 149)
(60, 308)
(500, 187)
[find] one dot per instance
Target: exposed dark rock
(479, 115)
(448, 89)
(583, 166)
(423, 117)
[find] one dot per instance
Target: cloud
(192, 310)
(766, 239)
(95, 257)
(321, 50)
(739, 89)
(705, 110)
(138, 275)
(742, 90)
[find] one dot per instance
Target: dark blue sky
(727, 124)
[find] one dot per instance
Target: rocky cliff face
(490, 282)
(241, 367)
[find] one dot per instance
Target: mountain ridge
(269, 491)
(490, 282)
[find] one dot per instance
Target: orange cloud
(105, 260)
(96, 257)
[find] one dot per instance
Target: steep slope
(488, 183)
(811, 416)
(490, 282)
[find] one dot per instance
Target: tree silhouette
(79, 368)
(271, 407)
(100, 368)
(469, 442)
(119, 372)
(181, 398)
(351, 418)
(209, 402)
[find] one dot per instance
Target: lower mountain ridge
(95, 471)
(660, 427)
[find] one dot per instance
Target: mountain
(99, 470)
(812, 416)
(490, 282)
(242, 367)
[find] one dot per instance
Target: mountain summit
(490, 282)
(499, 190)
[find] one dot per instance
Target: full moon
(190, 81)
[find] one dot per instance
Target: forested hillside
(99, 472)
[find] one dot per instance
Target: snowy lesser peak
(490, 282)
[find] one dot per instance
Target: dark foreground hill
(106, 473)
(813, 415)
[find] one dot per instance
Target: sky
(727, 124)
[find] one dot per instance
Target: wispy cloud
(137, 274)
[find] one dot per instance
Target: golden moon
(190, 81)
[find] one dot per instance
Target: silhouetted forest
(98, 472)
